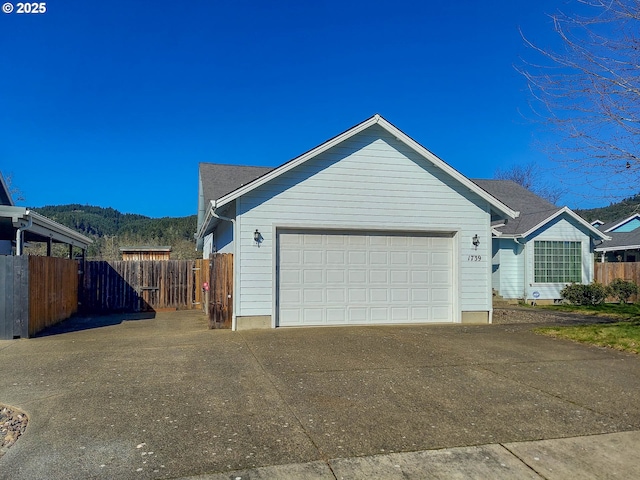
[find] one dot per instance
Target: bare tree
(14, 191)
(588, 90)
(529, 176)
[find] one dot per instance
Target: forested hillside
(111, 229)
(614, 211)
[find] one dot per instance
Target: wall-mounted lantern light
(475, 241)
(257, 237)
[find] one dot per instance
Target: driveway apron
(165, 397)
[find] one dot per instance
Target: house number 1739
(474, 258)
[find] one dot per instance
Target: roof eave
(619, 247)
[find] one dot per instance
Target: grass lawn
(623, 335)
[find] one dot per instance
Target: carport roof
(37, 228)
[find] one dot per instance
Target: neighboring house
(19, 225)
(545, 248)
(145, 253)
(366, 228)
(624, 245)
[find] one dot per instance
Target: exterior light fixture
(475, 241)
(257, 237)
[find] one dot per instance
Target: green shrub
(580, 294)
(622, 289)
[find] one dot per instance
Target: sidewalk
(611, 456)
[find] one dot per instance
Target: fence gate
(220, 290)
(138, 286)
(151, 285)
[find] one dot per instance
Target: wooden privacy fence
(138, 286)
(606, 272)
(35, 292)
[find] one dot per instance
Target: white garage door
(354, 278)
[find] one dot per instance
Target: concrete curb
(614, 455)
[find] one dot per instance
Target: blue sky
(115, 103)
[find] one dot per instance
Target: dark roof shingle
(533, 209)
(219, 180)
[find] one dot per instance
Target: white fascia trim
(596, 233)
(376, 119)
(622, 222)
(614, 249)
(207, 218)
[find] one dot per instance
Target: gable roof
(611, 227)
(398, 134)
(534, 210)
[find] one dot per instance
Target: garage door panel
(399, 277)
(336, 295)
(336, 315)
(357, 258)
(440, 259)
(378, 276)
(441, 295)
(357, 314)
(399, 314)
(440, 314)
(290, 257)
(313, 276)
(336, 276)
(420, 295)
(313, 257)
(441, 277)
(335, 257)
(357, 295)
(357, 278)
(313, 316)
(379, 295)
(400, 295)
(313, 295)
(419, 258)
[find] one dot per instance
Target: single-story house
(367, 228)
(545, 248)
(624, 245)
(19, 225)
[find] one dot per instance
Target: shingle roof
(218, 179)
(621, 240)
(533, 209)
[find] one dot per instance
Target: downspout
(524, 268)
(19, 233)
(234, 325)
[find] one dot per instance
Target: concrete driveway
(164, 397)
